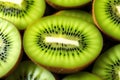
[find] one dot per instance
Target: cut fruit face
(68, 3)
(10, 47)
(82, 76)
(107, 17)
(27, 70)
(107, 65)
(77, 13)
(22, 12)
(62, 42)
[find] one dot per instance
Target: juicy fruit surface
(22, 14)
(10, 46)
(106, 14)
(63, 41)
(78, 14)
(107, 65)
(68, 3)
(27, 70)
(82, 76)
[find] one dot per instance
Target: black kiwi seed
(107, 65)
(3, 54)
(22, 14)
(10, 47)
(60, 42)
(27, 70)
(109, 23)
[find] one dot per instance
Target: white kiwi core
(119, 75)
(18, 2)
(61, 40)
(118, 10)
(1, 44)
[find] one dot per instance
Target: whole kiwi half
(106, 16)
(82, 76)
(22, 12)
(77, 13)
(27, 70)
(10, 47)
(62, 44)
(66, 4)
(107, 65)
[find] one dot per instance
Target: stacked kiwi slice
(10, 47)
(27, 70)
(22, 12)
(62, 44)
(77, 13)
(83, 75)
(74, 39)
(106, 17)
(66, 4)
(107, 65)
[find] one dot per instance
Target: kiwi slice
(10, 47)
(62, 44)
(82, 76)
(107, 65)
(22, 12)
(77, 13)
(64, 4)
(27, 70)
(106, 17)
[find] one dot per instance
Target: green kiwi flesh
(22, 13)
(62, 44)
(106, 15)
(10, 47)
(77, 13)
(62, 4)
(27, 70)
(107, 65)
(82, 76)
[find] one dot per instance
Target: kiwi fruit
(107, 64)
(82, 76)
(22, 12)
(62, 44)
(10, 47)
(77, 13)
(67, 4)
(106, 17)
(27, 70)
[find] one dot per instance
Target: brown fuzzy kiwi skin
(61, 7)
(58, 70)
(19, 58)
(97, 25)
(15, 66)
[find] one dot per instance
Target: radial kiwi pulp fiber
(63, 4)
(27, 70)
(107, 65)
(77, 13)
(106, 15)
(62, 44)
(10, 47)
(22, 12)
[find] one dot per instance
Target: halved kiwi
(27, 70)
(63, 4)
(62, 44)
(106, 15)
(22, 12)
(107, 65)
(82, 76)
(76, 13)
(10, 47)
